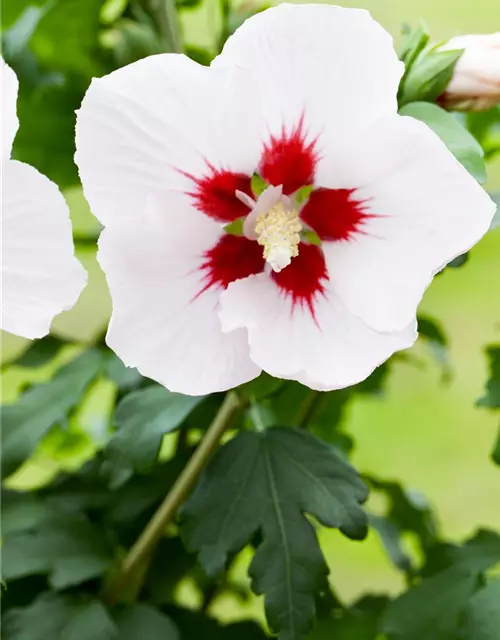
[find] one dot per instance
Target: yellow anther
(278, 231)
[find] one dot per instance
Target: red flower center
(335, 215)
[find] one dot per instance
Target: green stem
(166, 18)
(308, 408)
(142, 550)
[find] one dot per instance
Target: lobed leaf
(267, 481)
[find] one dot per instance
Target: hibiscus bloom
(315, 275)
(40, 275)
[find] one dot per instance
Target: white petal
(160, 324)
(10, 122)
(140, 127)
(333, 351)
(336, 66)
(427, 209)
(40, 275)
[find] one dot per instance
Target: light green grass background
(423, 433)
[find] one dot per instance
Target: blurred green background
(426, 432)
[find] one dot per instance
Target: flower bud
(475, 85)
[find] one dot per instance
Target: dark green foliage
(143, 417)
(458, 140)
(42, 407)
(491, 399)
(482, 614)
(247, 486)
(39, 352)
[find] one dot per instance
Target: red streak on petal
(289, 160)
(232, 258)
(304, 278)
(215, 194)
(334, 213)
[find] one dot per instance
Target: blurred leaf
(261, 387)
(23, 512)
(16, 39)
(144, 621)
(43, 619)
(495, 454)
(46, 110)
(491, 399)
(414, 43)
(482, 614)
(143, 417)
(39, 352)
(89, 621)
(485, 127)
(12, 10)
(433, 334)
(170, 563)
(125, 378)
(111, 10)
(458, 262)
(431, 608)
(128, 41)
(495, 223)
(196, 625)
(53, 617)
(428, 76)
(67, 37)
(390, 534)
(409, 511)
(360, 622)
(459, 141)
(199, 55)
(478, 554)
(268, 480)
(67, 547)
(25, 423)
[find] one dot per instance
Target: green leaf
(16, 38)
(482, 614)
(495, 223)
(23, 512)
(144, 621)
(390, 534)
(459, 141)
(433, 334)
(430, 609)
(491, 399)
(25, 423)
(66, 38)
(267, 481)
(414, 43)
(495, 454)
(409, 511)
(485, 127)
(125, 378)
(199, 55)
(479, 553)
(143, 417)
(54, 617)
(67, 547)
(360, 622)
(43, 619)
(89, 621)
(428, 76)
(39, 352)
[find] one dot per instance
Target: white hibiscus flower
(40, 275)
(322, 291)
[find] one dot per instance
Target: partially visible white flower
(306, 97)
(40, 275)
(475, 84)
